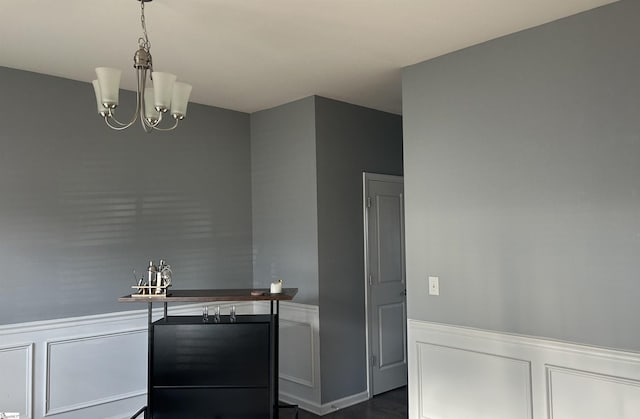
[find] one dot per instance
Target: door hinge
(368, 202)
(370, 280)
(372, 360)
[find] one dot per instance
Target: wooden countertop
(209, 295)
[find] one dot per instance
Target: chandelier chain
(144, 42)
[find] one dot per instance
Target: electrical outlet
(434, 285)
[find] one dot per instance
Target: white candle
(276, 287)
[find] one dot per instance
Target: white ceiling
(249, 55)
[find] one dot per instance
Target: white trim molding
(459, 372)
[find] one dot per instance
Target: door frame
(367, 291)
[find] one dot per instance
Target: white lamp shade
(150, 111)
(96, 88)
(109, 79)
(163, 89)
(180, 99)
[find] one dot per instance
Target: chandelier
(166, 95)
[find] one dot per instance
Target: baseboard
(325, 408)
(302, 403)
(344, 402)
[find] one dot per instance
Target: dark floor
(390, 405)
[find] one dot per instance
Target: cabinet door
(211, 354)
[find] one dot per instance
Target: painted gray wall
(283, 175)
(522, 179)
(349, 140)
(307, 161)
(81, 206)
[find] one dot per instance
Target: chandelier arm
(145, 126)
(141, 84)
(119, 127)
(141, 79)
(169, 128)
(111, 116)
(140, 107)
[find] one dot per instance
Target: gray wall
(307, 161)
(350, 139)
(285, 226)
(522, 179)
(81, 206)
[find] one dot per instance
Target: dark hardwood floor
(389, 405)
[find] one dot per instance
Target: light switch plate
(434, 285)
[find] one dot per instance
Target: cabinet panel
(211, 354)
(239, 403)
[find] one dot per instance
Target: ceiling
(249, 55)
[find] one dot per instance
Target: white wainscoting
(461, 373)
(56, 385)
(95, 366)
(299, 360)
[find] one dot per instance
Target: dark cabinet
(202, 369)
(212, 370)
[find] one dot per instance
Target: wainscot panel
(588, 395)
(492, 386)
(90, 370)
(16, 383)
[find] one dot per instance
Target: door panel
(389, 226)
(390, 332)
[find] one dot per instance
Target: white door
(386, 285)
